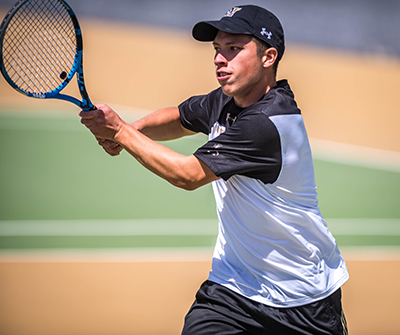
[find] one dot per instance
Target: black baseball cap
(246, 19)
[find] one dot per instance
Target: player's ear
(269, 58)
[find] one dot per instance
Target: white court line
(389, 227)
(163, 227)
(169, 227)
(122, 255)
(371, 253)
(174, 227)
(355, 155)
(185, 254)
(364, 227)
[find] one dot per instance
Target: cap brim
(206, 31)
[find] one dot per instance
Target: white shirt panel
(273, 245)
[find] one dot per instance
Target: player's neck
(255, 95)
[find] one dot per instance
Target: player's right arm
(187, 172)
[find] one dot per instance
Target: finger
(100, 106)
(115, 145)
(87, 122)
(104, 143)
(114, 151)
(117, 150)
(109, 145)
(91, 114)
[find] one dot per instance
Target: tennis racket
(41, 50)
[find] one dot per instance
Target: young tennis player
(276, 268)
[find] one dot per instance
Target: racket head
(41, 49)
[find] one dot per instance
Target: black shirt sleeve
(248, 144)
(195, 113)
(250, 147)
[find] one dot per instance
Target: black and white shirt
(273, 245)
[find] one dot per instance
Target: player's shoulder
(214, 98)
(279, 101)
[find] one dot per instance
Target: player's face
(239, 69)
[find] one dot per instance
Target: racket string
(30, 50)
(40, 44)
(53, 46)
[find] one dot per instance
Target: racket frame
(77, 67)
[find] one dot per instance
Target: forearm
(186, 172)
(162, 125)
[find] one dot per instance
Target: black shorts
(220, 311)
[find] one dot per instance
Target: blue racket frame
(77, 67)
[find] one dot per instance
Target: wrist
(120, 133)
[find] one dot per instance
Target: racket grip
(88, 107)
(92, 108)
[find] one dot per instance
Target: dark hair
(261, 47)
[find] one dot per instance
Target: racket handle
(88, 107)
(93, 108)
(86, 104)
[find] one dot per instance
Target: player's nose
(220, 59)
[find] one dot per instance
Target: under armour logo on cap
(265, 32)
(232, 11)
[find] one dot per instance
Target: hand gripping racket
(41, 50)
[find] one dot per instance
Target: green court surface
(55, 179)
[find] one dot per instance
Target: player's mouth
(223, 75)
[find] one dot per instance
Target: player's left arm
(162, 125)
(187, 172)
